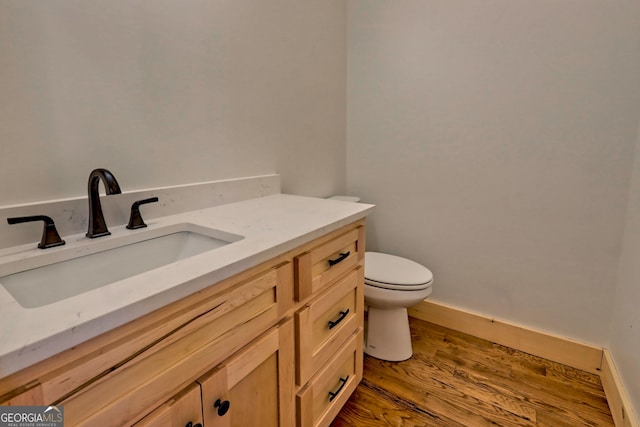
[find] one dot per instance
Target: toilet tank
(352, 199)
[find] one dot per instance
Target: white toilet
(391, 284)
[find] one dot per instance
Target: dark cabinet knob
(191, 424)
(223, 406)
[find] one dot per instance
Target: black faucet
(97, 225)
(50, 236)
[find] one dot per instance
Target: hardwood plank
(529, 374)
(372, 406)
(425, 385)
(566, 402)
(457, 379)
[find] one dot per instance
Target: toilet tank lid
(385, 268)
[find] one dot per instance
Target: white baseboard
(558, 349)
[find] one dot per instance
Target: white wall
(496, 138)
(167, 92)
(624, 338)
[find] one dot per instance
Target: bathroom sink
(48, 278)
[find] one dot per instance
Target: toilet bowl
(392, 284)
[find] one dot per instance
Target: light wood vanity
(279, 344)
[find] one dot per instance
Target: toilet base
(387, 334)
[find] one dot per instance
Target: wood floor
(454, 379)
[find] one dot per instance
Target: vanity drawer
(321, 399)
(323, 325)
(322, 265)
(123, 395)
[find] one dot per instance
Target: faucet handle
(50, 236)
(135, 219)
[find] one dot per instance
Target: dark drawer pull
(341, 258)
(335, 323)
(334, 394)
(191, 424)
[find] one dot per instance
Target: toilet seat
(395, 273)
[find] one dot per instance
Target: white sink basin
(52, 277)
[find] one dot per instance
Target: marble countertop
(270, 226)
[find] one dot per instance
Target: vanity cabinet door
(183, 410)
(256, 386)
